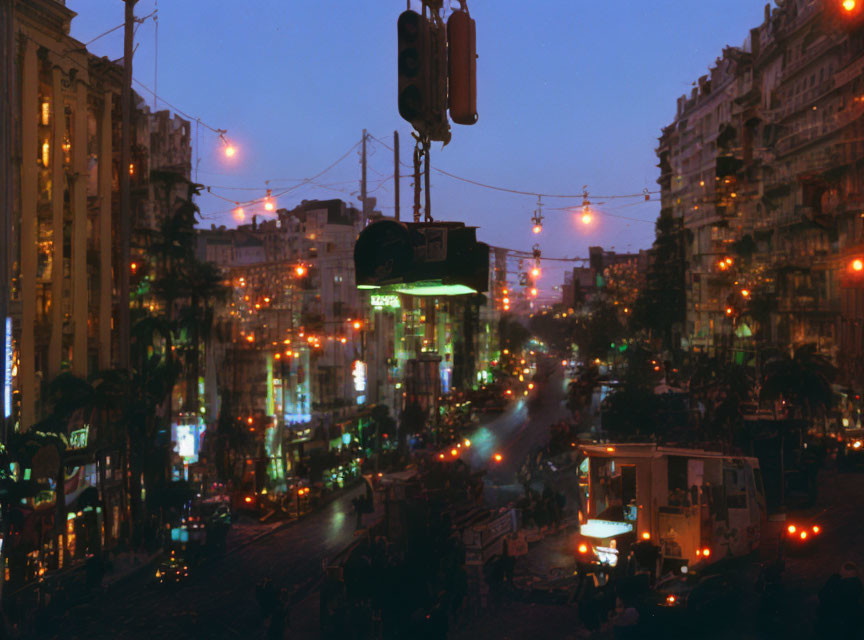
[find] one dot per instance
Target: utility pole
(125, 195)
(7, 58)
(428, 216)
(363, 177)
(396, 171)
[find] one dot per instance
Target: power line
(303, 183)
(535, 194)
(189, 117)
(517, 253)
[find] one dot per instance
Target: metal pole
(363, 178)
(396, 171)
(417, 159)
(426, 184)
(125, 196)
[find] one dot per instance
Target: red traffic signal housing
(462, 67)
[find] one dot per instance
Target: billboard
(431, 258)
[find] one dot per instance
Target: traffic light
(423, 75)
(462, 67)
(413, 65)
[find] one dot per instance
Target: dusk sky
(569, 94)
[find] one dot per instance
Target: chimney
(755, 43)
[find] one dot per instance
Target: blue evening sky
(570, 93)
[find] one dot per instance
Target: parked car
(693, 601)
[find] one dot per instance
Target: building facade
(761, 166)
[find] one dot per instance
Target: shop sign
(7, 364)
(382, 301)
(78, 438)
(359, 374)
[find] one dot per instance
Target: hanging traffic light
(413, 61)
(537, 219)
(422, 69)
(462, 66)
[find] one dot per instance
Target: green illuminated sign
(78, 438)
(381, 301)
(433, 288)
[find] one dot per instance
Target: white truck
(696, 506)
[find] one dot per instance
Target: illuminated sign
(78, 438)
(186, 440)
(359, 373)
(187, 437)
(382, 301)
(8, 360)
(607, 555)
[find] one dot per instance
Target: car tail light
(816, 529)
(803, 535)
(583, 548)
(670, 599)
(791, 528)
(706, 552)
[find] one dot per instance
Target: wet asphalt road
(218, 600)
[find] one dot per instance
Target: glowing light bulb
(268, 205)
(536, 229)
(300, 270)
(535, 272)
(586, 218)
(230, 150)
(849, 5)
(239, 214)
(858, 265)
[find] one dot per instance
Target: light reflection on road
(514, 434)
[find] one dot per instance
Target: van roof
(648, 450)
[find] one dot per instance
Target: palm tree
(803, 380)
(204, 285)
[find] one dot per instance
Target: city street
(514, 435)
(218, 600)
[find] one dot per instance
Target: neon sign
(359, 374)
(7, 380)
(381, 301)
